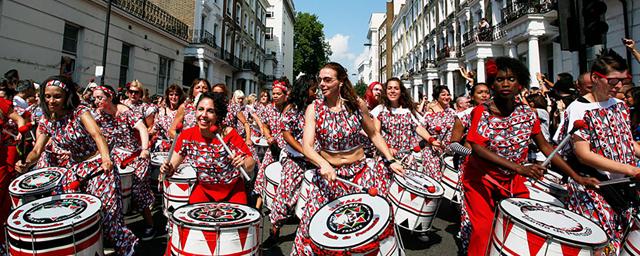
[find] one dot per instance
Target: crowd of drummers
(503, 139)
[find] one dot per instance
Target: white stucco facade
(281, 22)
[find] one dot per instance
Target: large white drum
(305, 190)
(550, 183)
(158, 158)
(529, 227)
(272, 174)
(35, 184)
(177, 189)
(631, 245)
(261, 145)
(539, 195)
(67, 224)
(215, 229)
(126, 185)
(450, 178)
(357, 224)
(415, 201)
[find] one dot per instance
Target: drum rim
(37, 191)
(178, 222)
(540, 232)
(447, 166)
(438, 195)
(545, 192)
(184, 165)
(49, 229)
(387, 222)
(267, 176)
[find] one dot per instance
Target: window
(229, 6)
(69, 50)
(269, 14)
(269, 33)
(238, 14)
(164, 73)
(124, 64)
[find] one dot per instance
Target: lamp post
(106, 42)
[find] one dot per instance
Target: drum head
(448, 161)
(554, 221)
(259, 141)
(349, 221)
(539, 195)
(418, 184)
(37, 181)
(184, 172)
(273, 171)
(308, 175)
(207, 216)
(158, 158)
(54, 212)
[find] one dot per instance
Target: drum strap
(497, 184)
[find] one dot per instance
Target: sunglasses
(613, 81)
(135, 92)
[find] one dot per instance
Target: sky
(345, 27)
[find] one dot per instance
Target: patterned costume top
(444, 120)
(465, 119)
(273, 121)
(261, 110)
(293, 122)
(506, 136)
(398, 127)
(145, 109)
(5, 106)
(11, 127)
(209, 158)
(608, 130)
(189, 115)
(231, 120)
(68, 133)
(163, 121)
(248, 112)
(119, 130)
(337, 131)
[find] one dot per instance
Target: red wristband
(431, 140)
(25, 128)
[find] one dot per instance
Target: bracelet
(431, 140)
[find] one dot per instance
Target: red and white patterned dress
(439, 125)
(293, 167)
(69, 133)
(485, 183)
(231, 120)
(335, 132)
(609, 134)
(272, 119)
(145, 109)
(189, 115)
(161, 125)
(123, 139)
(218, 180)
(465, 224)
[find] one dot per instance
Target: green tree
(310, 49)
(360, 88)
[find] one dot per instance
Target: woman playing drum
(135, 91)
(499, 135)
(438, 120)
(334, 122)
(172, 100)
(186, 114)
(71, 126)
(122, 127)
(219, 179)
(606, 145)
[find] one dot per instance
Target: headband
(58, 83)
(105, 90)
(280, 84)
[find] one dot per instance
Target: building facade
(280, 22)
(44, 38)
(432, 39)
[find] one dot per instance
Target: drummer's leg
(286, 194)
(142, 194)
(5, 201)
(258, 186)
(432, 164)
(107, 188)
(480, 209)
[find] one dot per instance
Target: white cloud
(340, 49)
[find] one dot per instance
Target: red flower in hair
(490, 68)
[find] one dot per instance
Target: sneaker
(272, 240)
(148, 234)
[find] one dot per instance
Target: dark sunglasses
(614, 80)
(135, 92)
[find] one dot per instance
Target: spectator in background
(539, 104)
(632, 98)
(631, 46)
(467, 75)
(584, 83)
(462, 103)
(25, 89)
(484, 30)
(562, 94)
(12, 77)
(623, 92)
(372, 95)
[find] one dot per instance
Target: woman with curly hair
(186, 113)
(334, 123)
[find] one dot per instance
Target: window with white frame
(124, 63)
(164, 73)
(269, 33)
(70, 38)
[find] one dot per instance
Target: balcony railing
(250, 65)
(443, 53)
(236, 62)
(155, 16)
(516, 10)
(489, 34)
(429, 63)
(202, 37)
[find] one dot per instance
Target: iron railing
(202, 37)
(516, 10)
(155, 16)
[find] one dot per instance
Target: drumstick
(370, 191)
(431, 188)
(173, 146)
(577, 125)
(214, 129)
(621, 180)
(81, 182)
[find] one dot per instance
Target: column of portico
(533, 57)
(481, 77)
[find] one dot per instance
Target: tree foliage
(360, 88)
(310, 51)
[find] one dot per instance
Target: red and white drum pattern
(214, 229)
(305, 190)
(67, 224)
(177, 189)
(273, 175)
(529, 227)
(35, 184)
(414, 205)
(356, 224)
(631, 245)
(450, 180)
(138, 188)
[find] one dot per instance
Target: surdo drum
(272, 174)
(158, 158)
(539, 195)
(357, 224)
(415, 201)
(215, 229)
(67, 224)
(126, 184)
(550, 183)
(177, 188)
(450, 178)
(631, 245)
(34, 184)
(305, 190)
(529, 227)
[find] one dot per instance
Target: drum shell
(542, 196)
(413, 211)
(20, 196)
(176, 192)
(272, 174)
(158, 158)
(450, 180)
(388, 246)
(631, 245)
(305, 190)
(126, 184)
(549, 186)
